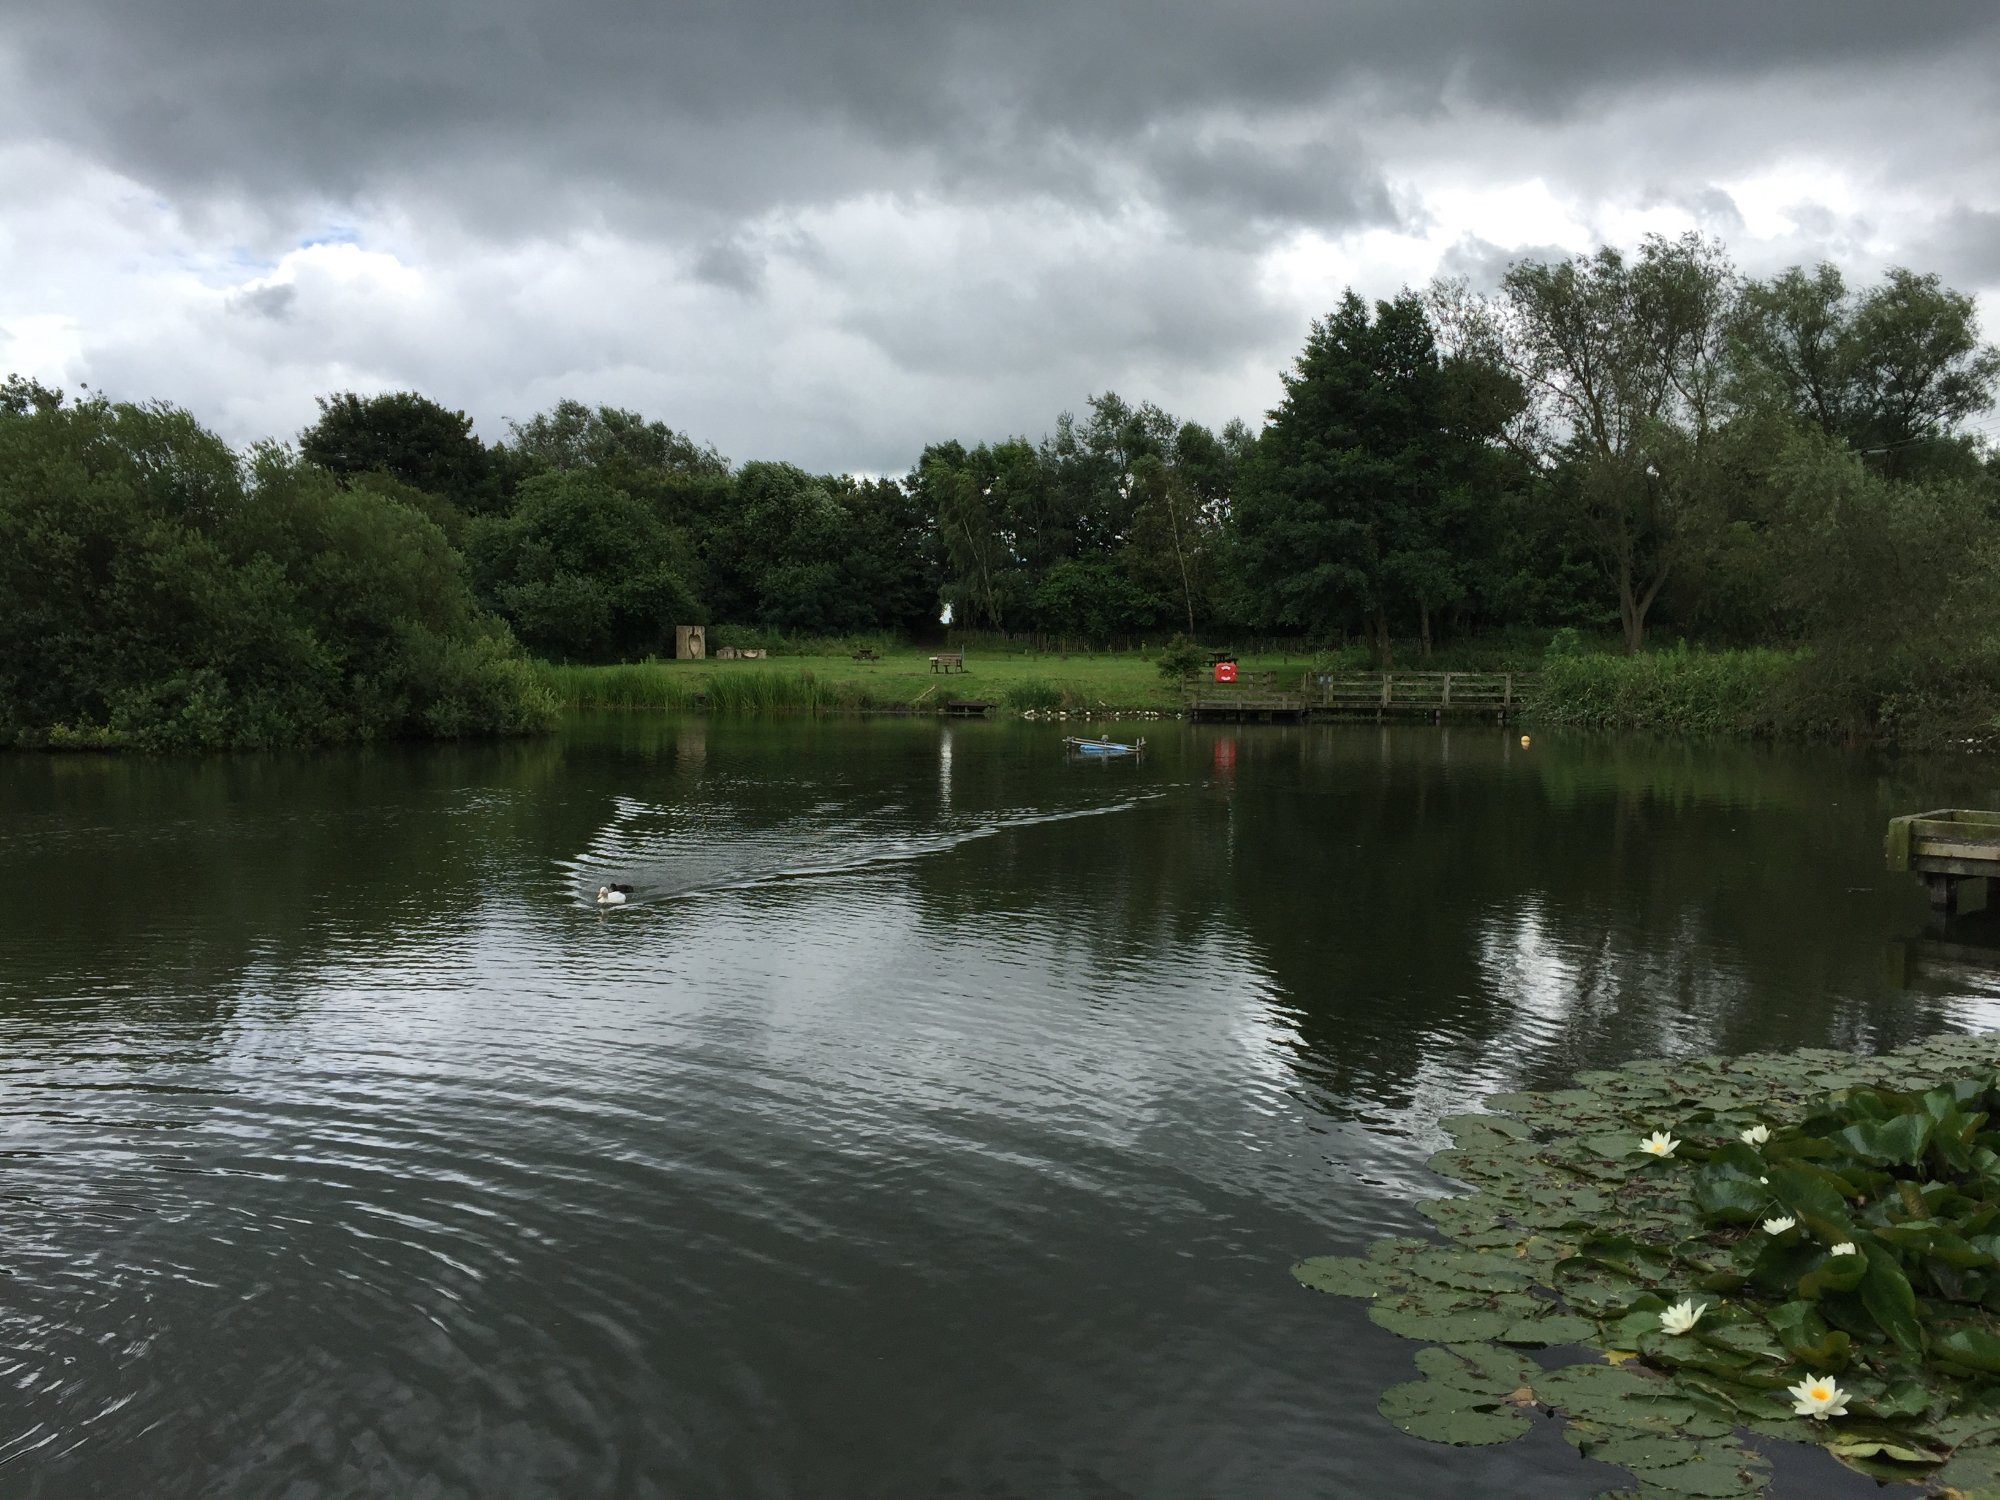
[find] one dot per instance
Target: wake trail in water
(698, 854)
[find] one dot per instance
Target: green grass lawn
(903, 678)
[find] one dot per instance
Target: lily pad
(1571, 1235)
(1345, 1276)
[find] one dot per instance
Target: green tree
(155, 592)
(1921, 367)
(891, 565)
(1896, 586)
(985, 500)
(1091, 598)
(1352, 508)
(1895, 371)
(583, 571)
(614, 443)
(1624, 366)
(413, 439)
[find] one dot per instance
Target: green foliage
(1129, 505)
(1181, 659)
(1358, 503)
(1571, 1233)
(617, 445)
(1043, 695)
(1668, 692)
(1898, 587)
(807, 555)
(1093, 600)
(410, 438)
(583, 571)
(156, 593)
(1642, 444)
(1625, 362)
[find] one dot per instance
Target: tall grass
(1669, 692)
(1042, 694)
(723, 690)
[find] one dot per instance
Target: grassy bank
(1679, 692)
(902, 679)
(1733, 693)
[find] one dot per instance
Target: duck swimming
(613, 895)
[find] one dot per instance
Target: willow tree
(1895, 371)
(1624, 364)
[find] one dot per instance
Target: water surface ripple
(939, 1118)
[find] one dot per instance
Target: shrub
(1181, 660)
(157, 593)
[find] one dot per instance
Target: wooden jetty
(1253, 699)
(969, 708)
(1421, 695)
(1955, 850)
(1364, 695)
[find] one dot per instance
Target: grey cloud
(732, 106)
(1965, 249)
(1710, 207)
(606, 198)
(1246, 184)
(273, 302)
(730, 264)
(1125, 310)
(1481, 263)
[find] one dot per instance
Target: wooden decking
(1429, 695)
(1369, 695)
(1955, 850)
(1252, 699)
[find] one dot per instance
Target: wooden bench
(948, 661)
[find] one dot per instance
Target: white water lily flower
(1756, 1135)
(1765, 1180)
(1682, 1316)
(1779, 1225)
(1818, 1397)
(1845, 1247)
(1659, 1143)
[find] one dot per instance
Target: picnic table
(867, 653)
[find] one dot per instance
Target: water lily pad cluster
(1802, 1247)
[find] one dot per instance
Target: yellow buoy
(1524, 742)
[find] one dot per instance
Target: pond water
(940, 1117)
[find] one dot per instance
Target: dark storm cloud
(523, 109)
(1965, 250)
(1244, 183)
(834, 231)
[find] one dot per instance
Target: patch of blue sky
(332, 234)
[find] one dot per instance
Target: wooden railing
(1437, 695)
(1432, 693)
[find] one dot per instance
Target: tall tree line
(1609, 442)
(1627, 443)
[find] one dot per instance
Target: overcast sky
(831, 231)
